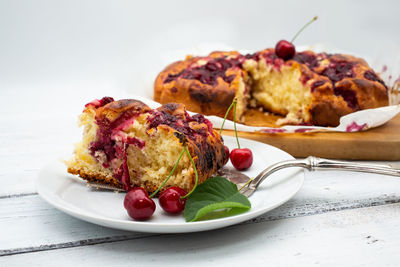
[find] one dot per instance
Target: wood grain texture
(332, 208)
(357, 237)
(28, 224)
(382, 143)
(27, 147)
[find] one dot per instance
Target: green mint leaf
(215, 198)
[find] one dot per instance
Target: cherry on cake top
(335, 67)
(213, 68)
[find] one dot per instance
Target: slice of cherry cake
(126, 144)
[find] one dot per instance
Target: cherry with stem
(169, 175)
(241, 158)
(173, 199)
(286, 50)
(138, 204)
(226, 149)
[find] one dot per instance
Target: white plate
(71, 195)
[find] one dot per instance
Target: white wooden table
(336, 219)
(55, 57)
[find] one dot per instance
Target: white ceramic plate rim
(49, 194)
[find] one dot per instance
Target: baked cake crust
(119, 135)
(334, 84)
(209, 89)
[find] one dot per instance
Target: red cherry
(241, 158)
(226, 150)
(227, 154)
(138, 204)
(170, 200)
(285, 50)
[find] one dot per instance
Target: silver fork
(315, 164)
(248, 186)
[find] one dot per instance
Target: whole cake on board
(308, 88)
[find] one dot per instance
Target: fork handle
(313, 164)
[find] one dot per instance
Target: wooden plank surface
(28, 224)
(332, 209)
(357, 237)
(382, 143)
(359, 210)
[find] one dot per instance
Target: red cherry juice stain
(99, 103)
(316, 84)
(370, 75)
(180, 125)
(307, 58)
(354, 127)
(209, 72)
(272, 131)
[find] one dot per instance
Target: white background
(115, 44)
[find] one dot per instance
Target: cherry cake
(309, 88)
(126, 144)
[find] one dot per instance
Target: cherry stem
(195, 172)
(226, 115)
(234, 122)
(170, 174)
(308, 23)
(249, 181)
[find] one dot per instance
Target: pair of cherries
(140, 206)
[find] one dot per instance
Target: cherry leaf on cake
(215, 198)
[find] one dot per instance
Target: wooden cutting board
(382, 143)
